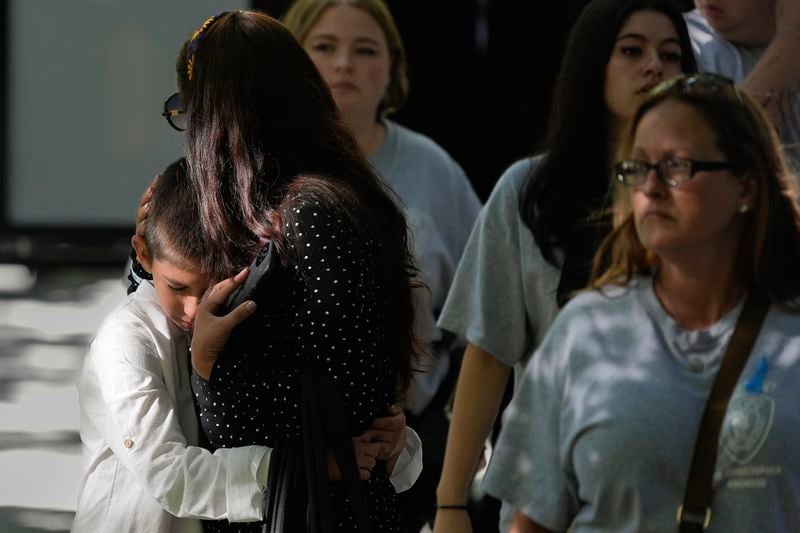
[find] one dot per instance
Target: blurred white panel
(87, 81)
(40, 479)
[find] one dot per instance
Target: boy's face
(178, 291)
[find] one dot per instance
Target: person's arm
(408, 463)
(135, 272)
(135, 413)
(775, 79)
(522, 524)
(339, 267)
(386, 438)
(481, 384)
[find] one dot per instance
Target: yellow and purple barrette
(194, 42)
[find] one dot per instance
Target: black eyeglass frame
(663, 173)
(172, 112)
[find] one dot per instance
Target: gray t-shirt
(601, 433)
(441, 208)
(503, 297)
(720, 56)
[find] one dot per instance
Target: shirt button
(128, 443)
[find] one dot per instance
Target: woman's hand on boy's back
(211, 330)
(144, 206)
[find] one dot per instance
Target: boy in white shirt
(144, 470)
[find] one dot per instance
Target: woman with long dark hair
(533, 243)
(273, 168)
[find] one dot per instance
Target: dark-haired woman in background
(271, 162)
(534, 240)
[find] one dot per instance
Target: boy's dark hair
(171, 227)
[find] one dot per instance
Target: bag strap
(694, 515)
(298, 495)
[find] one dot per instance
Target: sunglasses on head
(698, 83)
(175, 112)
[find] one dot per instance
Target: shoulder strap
(694, 515)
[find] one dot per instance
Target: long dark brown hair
(262, 125)
(566, 191)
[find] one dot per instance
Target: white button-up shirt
(143, 468)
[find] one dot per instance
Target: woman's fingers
(390, 432)
(220, 292)
(148, 192)
(366, 455)
(238, 315)
(144, 206)
(211, 331)
(394, 409)
(394, 422)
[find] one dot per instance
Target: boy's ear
(142, 254)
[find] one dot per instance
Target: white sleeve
(137, 416)
(409, 464)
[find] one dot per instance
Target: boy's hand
(211, 331)
(390, 432)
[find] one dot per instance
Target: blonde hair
(769, 249)
(303, 14)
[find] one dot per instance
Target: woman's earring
(744, 208)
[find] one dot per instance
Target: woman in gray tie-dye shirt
(601, 433)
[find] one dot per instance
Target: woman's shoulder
(503, 205)
(415, 143)
(319, 209)
(418, 158)
(317, 195)
(513, 179)
(605, 300)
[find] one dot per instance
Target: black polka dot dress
(326, 308)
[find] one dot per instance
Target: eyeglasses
(674, 171)
(175, 112)
(699, 83)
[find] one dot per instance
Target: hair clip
(194, 42)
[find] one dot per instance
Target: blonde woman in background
(357, 48)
